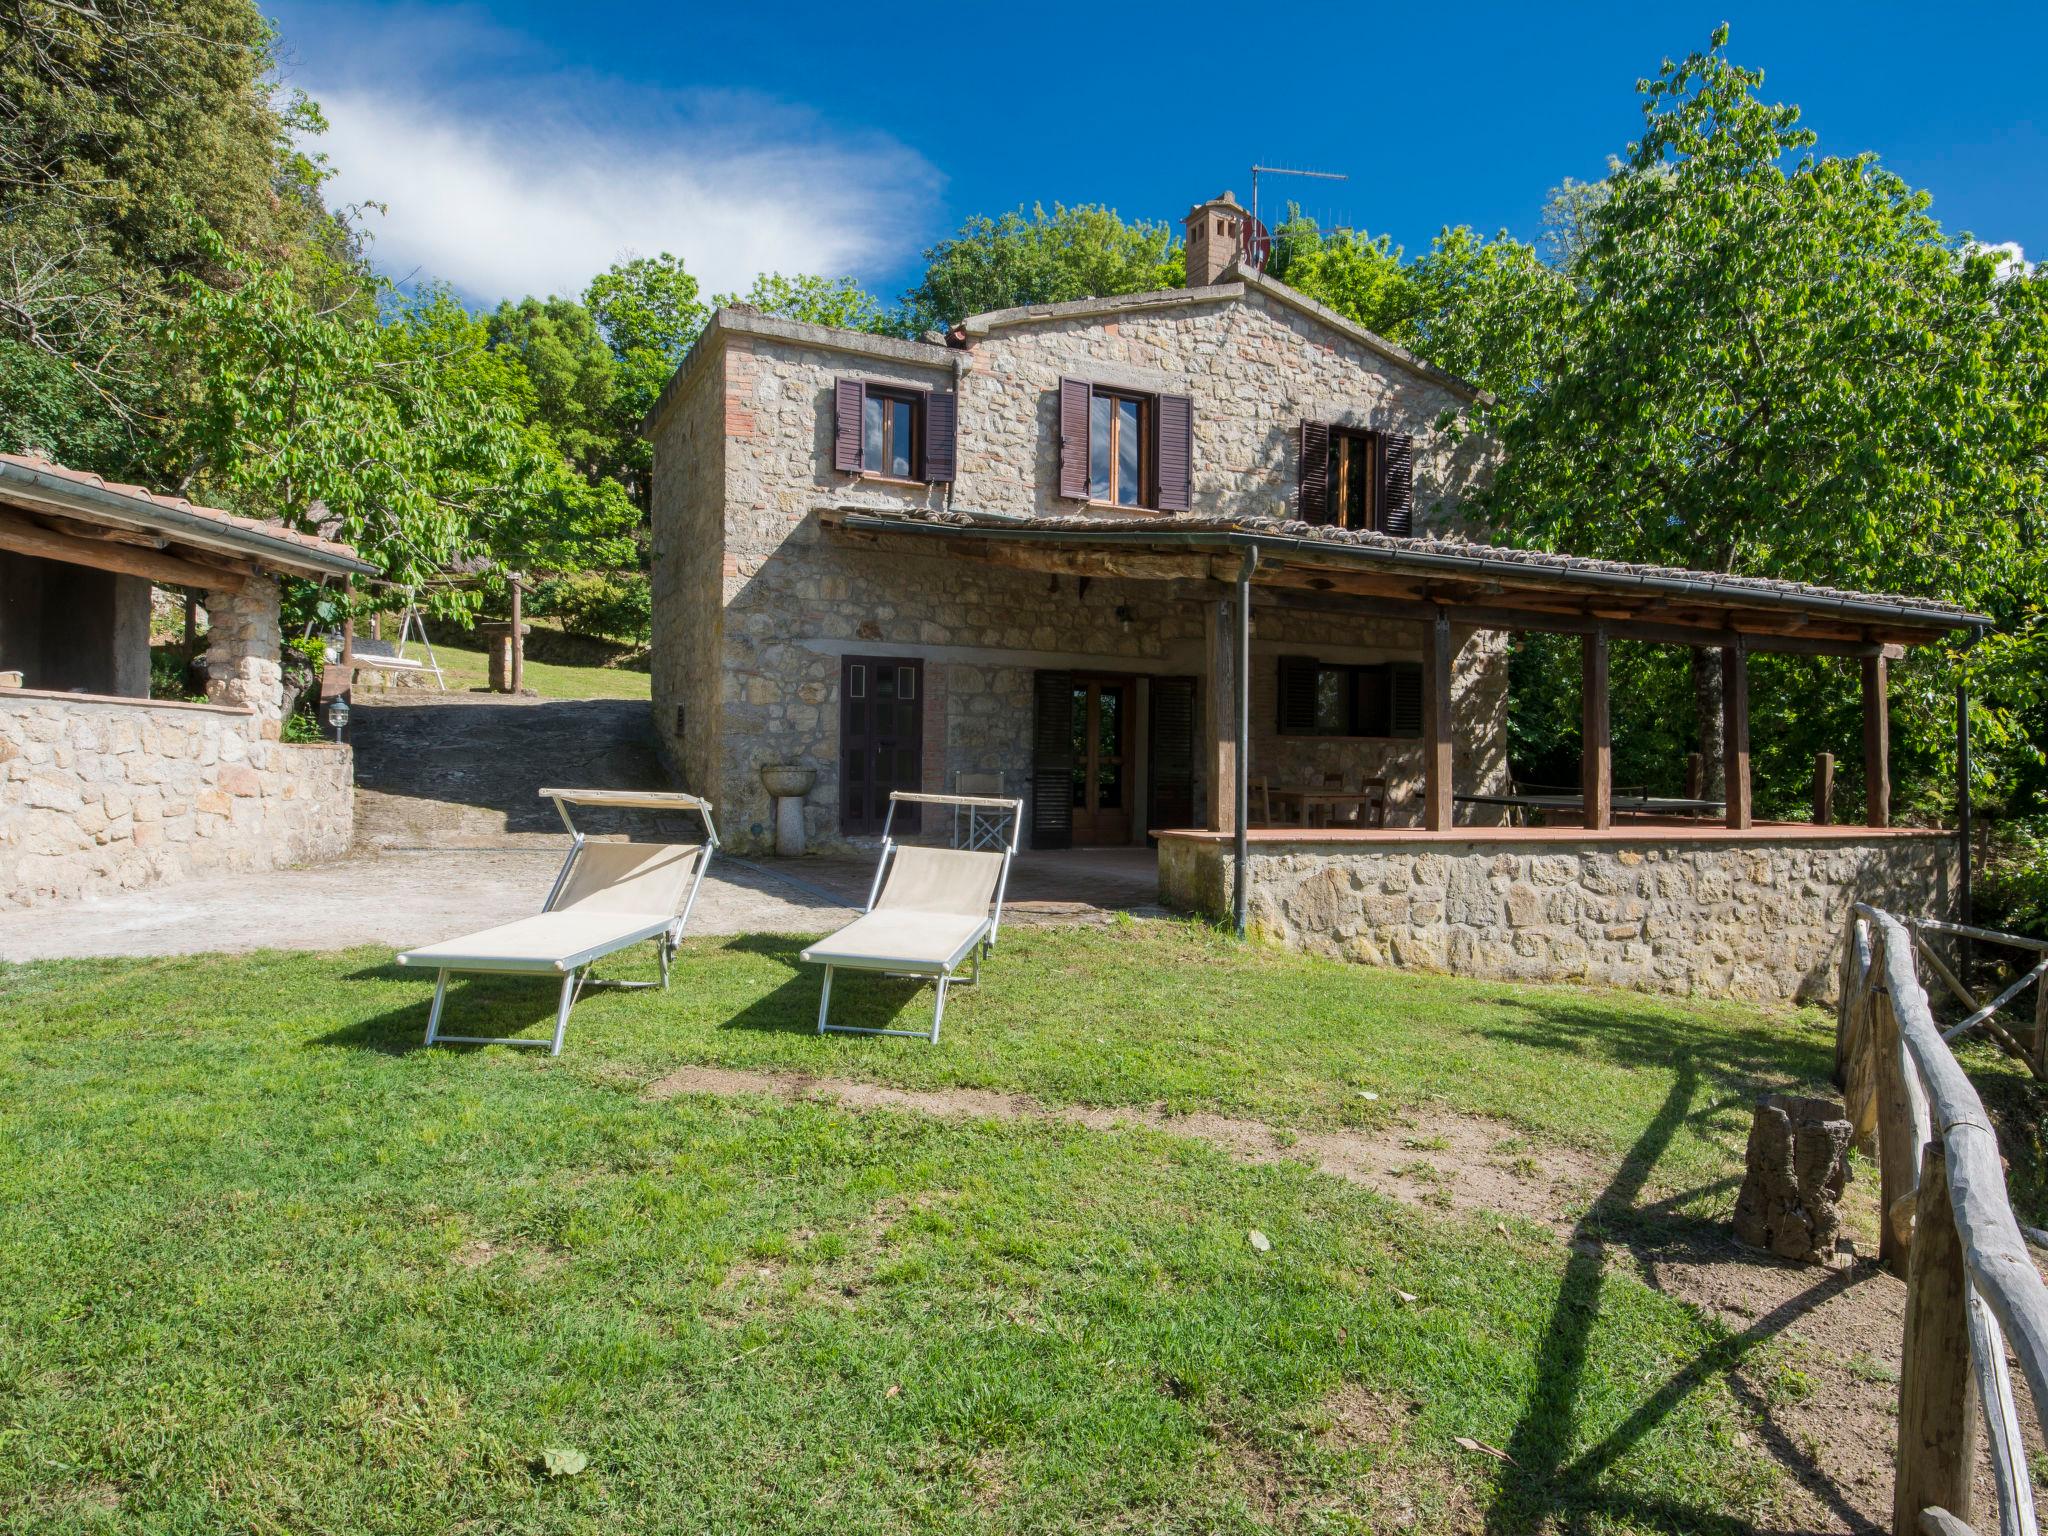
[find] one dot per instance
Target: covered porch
(1267, 816)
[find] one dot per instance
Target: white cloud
(2012, 260)
(537, 190)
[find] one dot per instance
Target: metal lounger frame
(947, 973)
(575, 972)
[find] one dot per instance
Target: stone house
(102, 787)
(782, 634)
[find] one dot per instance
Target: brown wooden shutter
(1175, 457)
(1404, 699)
(849, 409)
(1297, 694)
(1397, 484)
(1052, 761)
(941, 436)
(1314, 506)
(881, 740)
(1074, 398)
(1170, 742)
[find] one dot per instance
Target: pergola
(1441, 584)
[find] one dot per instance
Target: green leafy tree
(837, 301)
(649, 313)
(1040, 258)
(1359, 277)
(1769, 361)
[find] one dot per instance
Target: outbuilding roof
(78, 495)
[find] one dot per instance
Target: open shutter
(1314, 504)
(941, 436)
(1074, 398)
(1404, 699)
(1397, 484)
(1297, 695)
(848, 408)
(1170, 740)
(1052, 761)
(1176, 452)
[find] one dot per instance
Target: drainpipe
(1244, 731)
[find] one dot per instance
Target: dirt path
(1813, 1354)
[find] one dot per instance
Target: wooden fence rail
(1949, 1229)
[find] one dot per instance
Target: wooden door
(1170, 749)
(1101, 793)
(881, 740)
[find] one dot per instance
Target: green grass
(466, 668)
(265, 1266)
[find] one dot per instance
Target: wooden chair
(1261, 802)
(1375, 810)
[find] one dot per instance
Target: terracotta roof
(1534, 562)
(330, 549)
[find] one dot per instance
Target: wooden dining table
(1305, 803)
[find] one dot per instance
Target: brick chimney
(1215, 233)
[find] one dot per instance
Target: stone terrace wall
(1756, 918)
(99, 795)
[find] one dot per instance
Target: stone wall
(1753, 916)
(756, 606)
(244, 650)
(104, 794)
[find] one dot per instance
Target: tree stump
(1798, 1163)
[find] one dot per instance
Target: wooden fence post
(1900, 1131)
(1937, 1459)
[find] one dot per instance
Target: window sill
(1117, 506)
(866, 478)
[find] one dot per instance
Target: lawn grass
(466, 669)
(265, 1266)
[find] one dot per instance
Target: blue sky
(521, 147)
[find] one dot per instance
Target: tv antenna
(1283, 170)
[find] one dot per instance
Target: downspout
(1242, 895)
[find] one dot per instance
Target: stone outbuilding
(102, 787)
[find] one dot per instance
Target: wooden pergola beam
(1438, 652)
(1596, 756)
(1735, 733)
(1877, 771)
(25, 536)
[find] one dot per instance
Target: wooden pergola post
(1735, 732)
(1596, 766)
(1877, 731)
(1222, 716)
(518, 639)
(1437, 652)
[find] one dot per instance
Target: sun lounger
(606, 898)
(930, 911)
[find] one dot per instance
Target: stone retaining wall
(1754, 917)
(103, 794)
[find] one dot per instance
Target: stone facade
(105, 794)
(1752, 915)
(757, 604)
(244, 651)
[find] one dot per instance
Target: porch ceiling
(1479, 585)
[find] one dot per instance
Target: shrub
(607, 605)
(2012, 893)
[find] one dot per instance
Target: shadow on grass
(1545, 1484)
(866, 999)
(478, 1004)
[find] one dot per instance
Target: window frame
(1148, 447)
(1346, 444)
(890, 395)
(1353, 673)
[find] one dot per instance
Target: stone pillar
(244, 651)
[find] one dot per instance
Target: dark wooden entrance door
(881, 740)
(1101, 795)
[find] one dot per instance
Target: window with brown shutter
(895, 432)
(1323, 698)
(1314, 505)
(1397, 484)
(1124, 448)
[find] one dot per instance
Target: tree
(1359, 277)
(649, 312)
(837, 301)
(1040, 258)
(1772, 362)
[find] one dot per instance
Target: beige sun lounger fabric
(616, 895)
(934, 907)
(609, 897)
